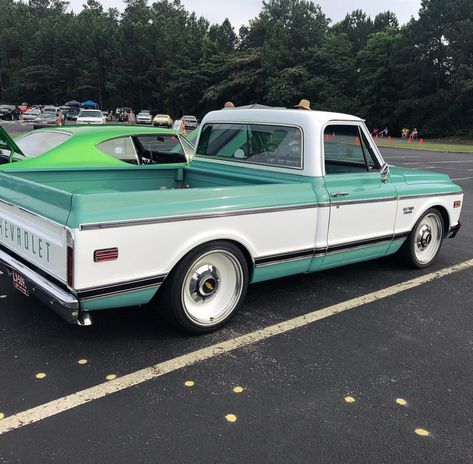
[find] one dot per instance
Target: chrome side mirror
(385, 173)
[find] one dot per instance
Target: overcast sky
(240, 11)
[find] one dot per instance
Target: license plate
(19, 282)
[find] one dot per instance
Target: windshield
(37, 143)
(90, 114)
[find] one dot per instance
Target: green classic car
(109, 146)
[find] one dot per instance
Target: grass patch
(427, 145)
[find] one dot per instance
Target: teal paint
(130, 299)
(276, 271)
(396, 246)
(354, 256)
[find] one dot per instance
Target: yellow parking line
(80, 398)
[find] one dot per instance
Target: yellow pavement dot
(189, 383)
(82, 361)
(41, 375)
(422, 432)
(349, 399)
(231, 418)
(238, 390)
(401, 402)
(111, 377)
(2, 415)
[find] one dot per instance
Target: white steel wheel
(428, 238)
(424, 242)
(212, 288)
(206, 288)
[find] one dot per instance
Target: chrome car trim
(120, 288)
(423, 195)
(194, 217)
(62, 302)
(319, 252)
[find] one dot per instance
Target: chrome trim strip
(411, 197)
(121, 287)
(193, 217)
(360, 202)
(320, 252)
(119, 292)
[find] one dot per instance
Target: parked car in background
(51, 109)
(190, 122)
(91, 117)
(162, 120)
(46, 119)
(6, 112)
(72, 113)
(31, 114)
(144, 117)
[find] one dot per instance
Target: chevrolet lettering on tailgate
(11, 233)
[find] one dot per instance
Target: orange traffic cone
(390, 139)
(421, 142)
(357, 140)
(409, 140)
(326, 138)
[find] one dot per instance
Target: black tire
(422, 241)
(197, 284)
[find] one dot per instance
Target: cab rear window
(264, 144)
(40, 142)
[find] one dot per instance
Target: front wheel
(424, 243)
(206, 288)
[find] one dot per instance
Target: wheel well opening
(247, 255)
(445, 217)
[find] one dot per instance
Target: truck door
(363, 201)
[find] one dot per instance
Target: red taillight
(108, 254)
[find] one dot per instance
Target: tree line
(161, 57)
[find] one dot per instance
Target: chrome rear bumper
(65, 304)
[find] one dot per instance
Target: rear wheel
(206, 288)
(424, 243)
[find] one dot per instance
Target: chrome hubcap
(204, 283)
(424, 238)
(428, 238)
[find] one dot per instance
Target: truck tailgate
(32, 218)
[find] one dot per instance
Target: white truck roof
(277, 116)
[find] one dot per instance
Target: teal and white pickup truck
(270, 193)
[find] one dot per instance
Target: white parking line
(80, 398)
(462, 178)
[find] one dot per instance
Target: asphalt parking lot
(383, 377)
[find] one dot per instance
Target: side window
(159, 149)
(121, 149)
(343, 150)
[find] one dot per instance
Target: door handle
(340, 194)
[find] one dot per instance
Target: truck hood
(417, 176)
